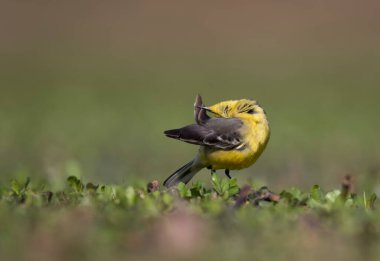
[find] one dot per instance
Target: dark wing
(193, 134)
(218, 133)
(200, 114)
(225, 133)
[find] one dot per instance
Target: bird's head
(222, 109)
(243, 109)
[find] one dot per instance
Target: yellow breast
(255, 137)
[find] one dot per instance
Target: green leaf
(294, 197)
(75, 183)
(332, 196)
(370, 201)
(233, 187)
(197, 190)
(216, 183)
(316, 193)
(26, 184)
(312, 203)
(224, 186)
(372, 198)
(130, 195)
(183, 191)
(91, 187)
(167, 199)
(296, 193)
(16, 187)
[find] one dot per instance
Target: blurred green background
(94, 84)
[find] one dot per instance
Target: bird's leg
(212, 170)
(227, 172)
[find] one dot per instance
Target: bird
(233, 137)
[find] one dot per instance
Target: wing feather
(217, 133)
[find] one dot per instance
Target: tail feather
(174, 133)
(183, 174)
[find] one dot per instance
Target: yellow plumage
(233, 139)
(255, 133)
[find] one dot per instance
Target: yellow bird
(232, 139)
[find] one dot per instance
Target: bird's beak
(207, 109)
(204, 108)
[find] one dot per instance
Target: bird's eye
(252, 111)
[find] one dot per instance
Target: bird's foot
(212, 170)
(227, 172)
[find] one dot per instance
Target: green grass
(86, 221)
